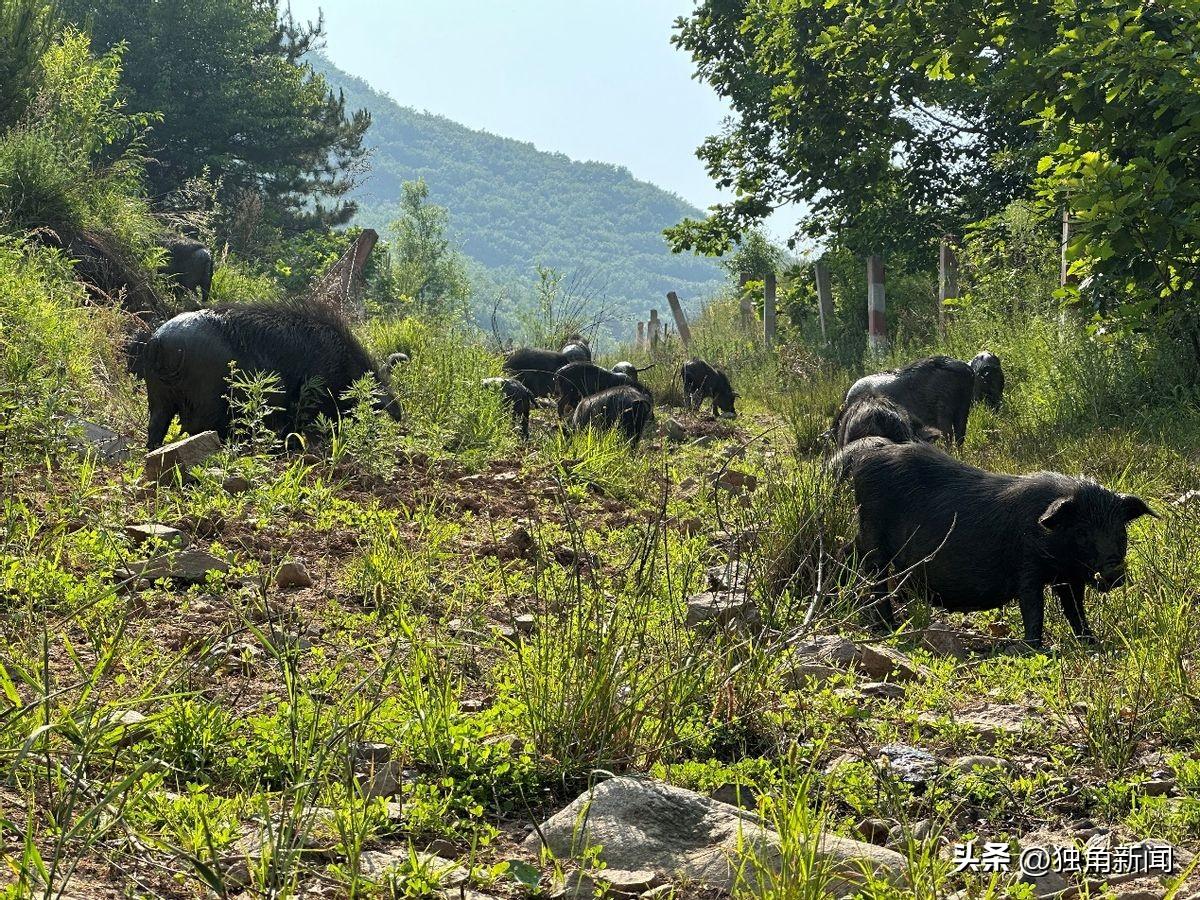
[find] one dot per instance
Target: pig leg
(1033, 610)
(1070, 595)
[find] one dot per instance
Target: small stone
(99, 441)
(152, 531)
(987, 721)
(999, 630)
(521, 542)
(442, 848)
(910, 764)
(525, 623)
(711, 609)
(385, 780)
(293, 574)
(673, 430)
(1158, 787)
(799, 675)
(740, 795)
(943, 642)
(235, 484)
(625, 883)
(130, 726)
(471, 706)
(885, 663)
(508, 634)
(873, 831)
(371, 753)
(375, 864)
(828, 649)
(162, 463)
(186, 565)
(882, 690)
(730, 576)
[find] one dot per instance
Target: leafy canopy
(237, 101)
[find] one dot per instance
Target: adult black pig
(577, 380)
(186, 365)
(937, 390)
(975, 540)
(626, 408)
(190, 266)
(627, 368)
(879, 417)
(701, 381)
(989, 379)
(518, 399)
(535, 368)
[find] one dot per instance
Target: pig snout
(1109, 578)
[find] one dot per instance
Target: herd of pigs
(969, 539)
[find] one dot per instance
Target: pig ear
(1058, 513)
(1135, 507)
(930, 435)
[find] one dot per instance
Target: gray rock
(884, 663)
(673, 430)
(376, 864)
(711, 609)
(162, 463)
(799, 674)
(1158, 787)
(293, 574)
(737, 482)
(383, 779)
(882, 690)
(525, 623)
(740, 795)
(672, 832)
(371, 753)
(828, 649)
(192, 566)
(911, 765)
(943, 642)
(987, 721)
(730, 576)
(141, 533)
(873, 831)
(129, 726)
(98, 441)
(235, 484)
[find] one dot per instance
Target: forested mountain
(513, 207)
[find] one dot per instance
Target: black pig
(879, 417)
(626, 408)
(701, 381)
(989, 379)
(577, 380)
(190, 266)
(938, 391)
(535, 368)
(186, 364)
(518, 399)
(975, 540)
(576, 349)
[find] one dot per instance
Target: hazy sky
(594, 79)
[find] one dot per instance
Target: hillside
(513, 207)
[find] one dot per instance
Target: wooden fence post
(681, 325)
(1064, 277)
(769, 309)
(824, 297)
(947, 280)
(652, 329)
(876, 306)
(639, 342)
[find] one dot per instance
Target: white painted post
(824, 297)
(769, 309)
(681, 325)
(947, 280)
(876, 306)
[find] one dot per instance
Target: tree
(891, 122)
(237, 101)
(27, 30)
(1120, 94)
(426, 268)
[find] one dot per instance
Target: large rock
(141, 533)
(191, 566)
(651, 826)
(376, 864)
(884, 663)
(988, 721)
(191, 451)
(711, 609)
